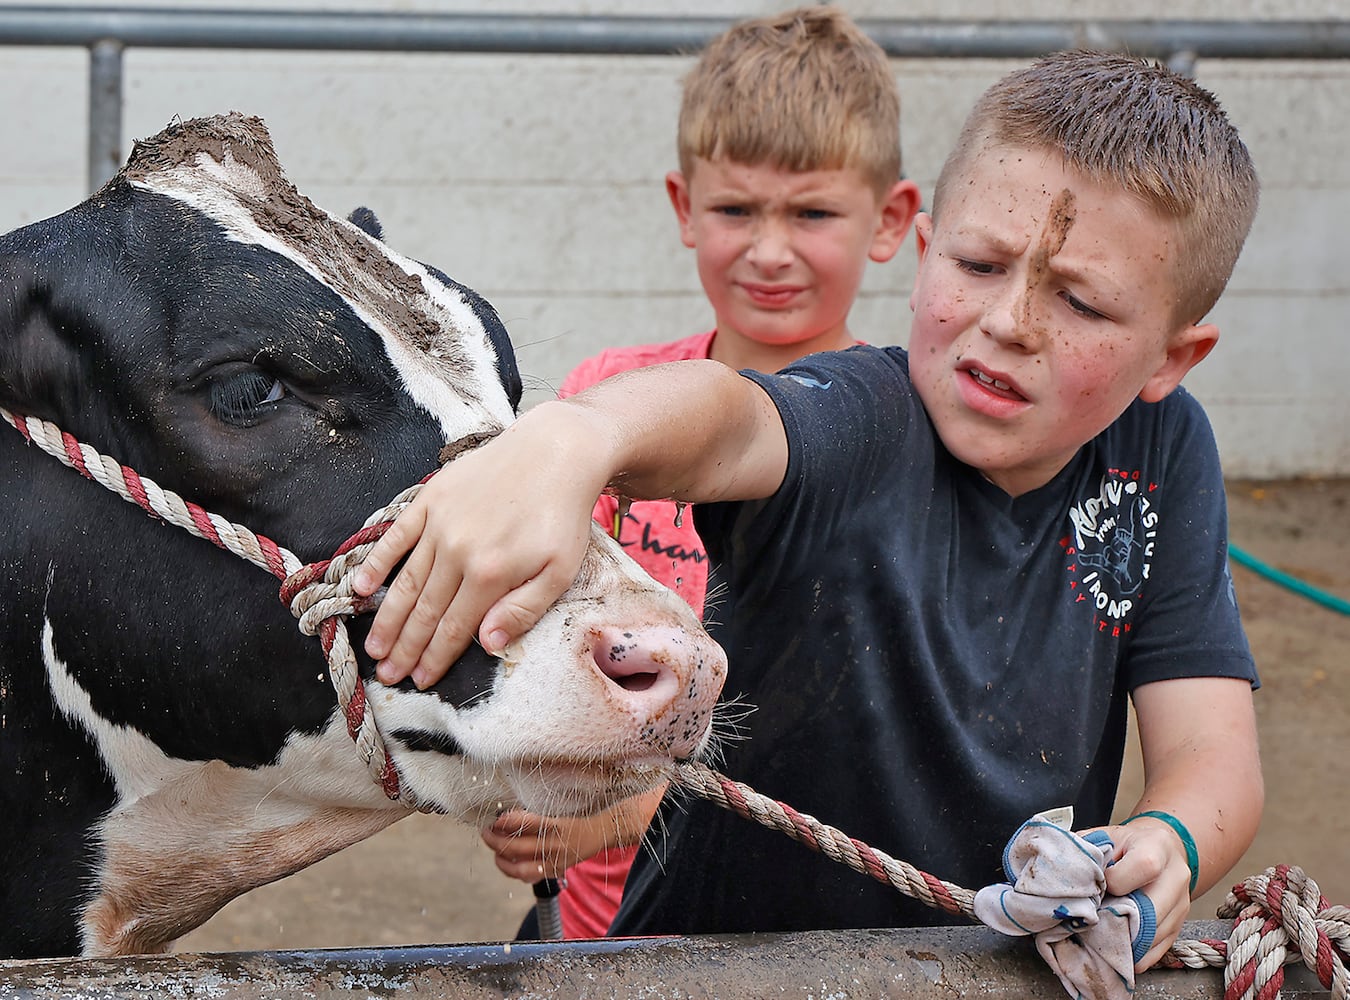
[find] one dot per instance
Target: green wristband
(1187, 841)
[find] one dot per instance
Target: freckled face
(781, 253)
(1043, 306)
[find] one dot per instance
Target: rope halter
(319, 594)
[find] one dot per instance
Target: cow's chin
(557, 787)
(475, 791)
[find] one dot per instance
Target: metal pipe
(107, 31)
(548, 908)
(191, 27)
(920, 964)
(105, 111)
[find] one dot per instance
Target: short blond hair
(1155, 133)
(803, 90)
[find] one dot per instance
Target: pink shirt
(672, 555)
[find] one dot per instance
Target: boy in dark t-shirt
(947, 570)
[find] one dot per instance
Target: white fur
(311, 768)
(219, 190)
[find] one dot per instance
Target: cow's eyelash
(239, 398)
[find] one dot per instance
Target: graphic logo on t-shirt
(1111, 547)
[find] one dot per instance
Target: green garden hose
(1285, 580)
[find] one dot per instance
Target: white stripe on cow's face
(433, 337)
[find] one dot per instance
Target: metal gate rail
(106, 32)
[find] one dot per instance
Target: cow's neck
(166, 869)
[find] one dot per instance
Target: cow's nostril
(639, 663)
(637, 682)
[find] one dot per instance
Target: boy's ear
(923, 236)
(1186, 350)
(677, 189)
(898, 209)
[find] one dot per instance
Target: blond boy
(789, 185)
(957, 563)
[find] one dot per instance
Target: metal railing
(107, 32)
(916, 963)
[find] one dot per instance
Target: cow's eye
(240, 398)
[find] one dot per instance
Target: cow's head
(207, 326)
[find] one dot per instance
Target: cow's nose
(644, 663)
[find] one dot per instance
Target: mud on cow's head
(207, 326)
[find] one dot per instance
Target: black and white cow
(168, 737)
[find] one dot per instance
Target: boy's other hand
(1149, 856)
(492, 540)
(530, 847)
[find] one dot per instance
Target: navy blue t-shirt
(931, 661)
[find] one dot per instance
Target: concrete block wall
(538, 180)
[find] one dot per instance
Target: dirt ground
(426, 880)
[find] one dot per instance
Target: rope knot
(1279, 917)
(322, 590)
(321, 596)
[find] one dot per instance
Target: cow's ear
(40, 371)
(366, 221)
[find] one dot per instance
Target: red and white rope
(750, 804)
(321, 597)
(319, 594)
(1281, 916)
(146, 494)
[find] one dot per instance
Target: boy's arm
(1201, 766)
(497, 535)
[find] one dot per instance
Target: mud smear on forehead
(354, 265)
(1053, 236)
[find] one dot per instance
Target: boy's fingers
(398, 603)
(518, 611)
(517, 841)
(514, 823)
(1171, 922)
(411, 615)
(395, 543)
(447, 643)
(429, 617)
(529, 871)
(404, 590)
(1155, 954)
(508, 845)
(1150, 859)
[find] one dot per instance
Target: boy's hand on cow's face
(491, 542)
